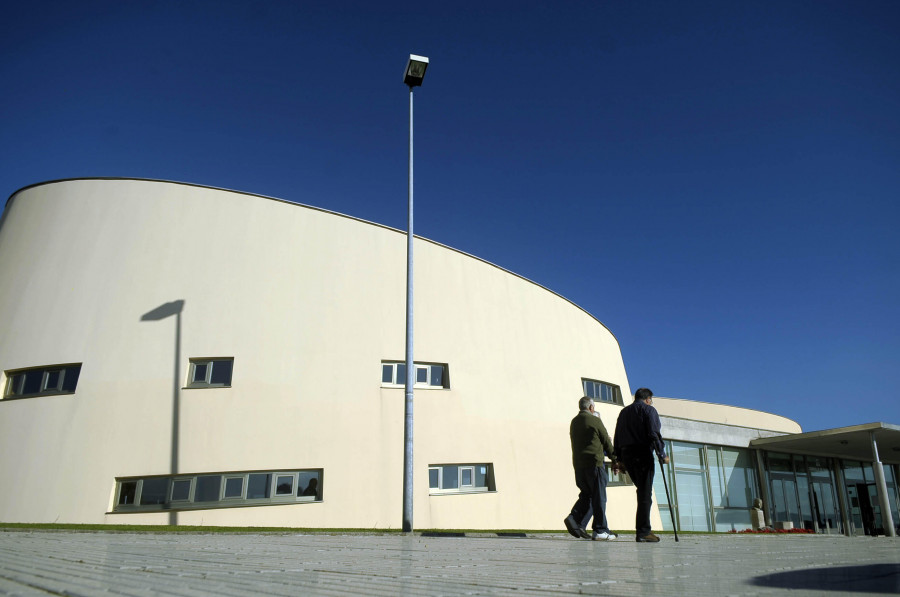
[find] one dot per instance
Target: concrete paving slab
(197, 565)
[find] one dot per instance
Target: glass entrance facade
(712, 487)
(862, 497)
(802, 491)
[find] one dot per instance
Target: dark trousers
(591, 482)
(641, 468)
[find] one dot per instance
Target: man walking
(589, 440)
(637, 437)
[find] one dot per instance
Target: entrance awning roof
(852, 443)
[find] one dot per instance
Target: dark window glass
(44, 381)
(199, 372)
(481, 476)
(466, 476)
(308, 487)
(70, 378)
(258, 486)
(387, 373)
(401, 373)
(308, 484)
(421, 374)
(437, 375)
(53, 379)
(434, 477)
(154, 491)
(234, 487)
(33, 381)
(284, 485)
(221, 373)
(126, 492)
(181, 489)
(451, 477)
(208, 488)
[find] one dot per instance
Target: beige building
(181, 354)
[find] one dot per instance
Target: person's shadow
(868, 578)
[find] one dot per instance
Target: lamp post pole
(412, 76)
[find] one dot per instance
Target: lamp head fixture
(415, 70)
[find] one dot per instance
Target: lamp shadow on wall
(161, 312)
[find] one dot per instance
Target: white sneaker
(603, 536)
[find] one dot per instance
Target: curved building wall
(308, 303)
(724, 414)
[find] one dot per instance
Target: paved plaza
(194, 564)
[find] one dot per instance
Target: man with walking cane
(636, 439)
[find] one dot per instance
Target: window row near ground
(426, 375)
(460, 478)
(261, 488)
(218, 490)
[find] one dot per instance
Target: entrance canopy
(851, 443)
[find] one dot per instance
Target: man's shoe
(649, 538)
(575, 530)
(604, 536)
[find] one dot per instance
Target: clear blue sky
(715, 181)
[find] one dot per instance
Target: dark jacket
(638, 429)
(589, 439)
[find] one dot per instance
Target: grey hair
(585, 403)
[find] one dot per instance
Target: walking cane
(662, 469)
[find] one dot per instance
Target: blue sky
(715, 181)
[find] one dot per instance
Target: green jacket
(589, 440)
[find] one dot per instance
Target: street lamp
(412, 77)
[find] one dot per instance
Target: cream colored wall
(308, 303)
(724, 414)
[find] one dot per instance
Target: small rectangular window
(153, 491)
(437, 376)
(460, 478)
(234, 487)
(199, 374)
(127, 493)
(450, 477)
(52, 380)
(208, 488)
(42, 381)
(258, 486)
(181, 490)
(602, 391)
(210, 373)
(284, 485)
(308, 485)
(70, 378)
(221, 373)
(620, 478)
(427, 375)
(32, 384)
